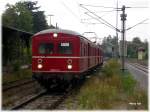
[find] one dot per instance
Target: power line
(137, 7)
(137, 24)
(90, 23)
(69, 10)
(101, 22)
(108, 24)
(97, 6)
(101, 11)
(105, 12)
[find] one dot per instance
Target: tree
(133, 46)
(18, 16)
(26, 16)
(136, 41)
(109, 46)
(39, 19)
(39, 22)
(145, 45)
(10, 17)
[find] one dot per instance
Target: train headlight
(55, 35)
(40, 66)
(69, 67)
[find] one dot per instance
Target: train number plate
(54, 70)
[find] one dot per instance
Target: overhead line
(102, 22)
(69, 10)
(108, 24)
(102, 11)
(137, 7)
(137, 24)
(97, 6)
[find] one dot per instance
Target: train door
(88, 55)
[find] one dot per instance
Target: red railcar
(63, 54)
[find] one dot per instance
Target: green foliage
(16, 66)
(18, 16)
(96, 95)
(39, 19)
(128, 83)
(112, 67)
(132, 47)
(24, 15)
(111, 90)
(17, 75)
(10, 17)
(39, 22)
(109, 45)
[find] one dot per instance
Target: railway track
(44, 100)
(140, 67)
(25, 102)
(16, 84)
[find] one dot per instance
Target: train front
(55, 55)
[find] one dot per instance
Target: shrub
(128, 83)
(111, 67)
(97, 95)
(16, 66)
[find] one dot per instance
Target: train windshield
(65, 48)
(46, 48)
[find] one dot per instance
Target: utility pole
(50, 19)
(123, 19)
(116, 41)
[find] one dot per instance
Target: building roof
(141, 49)
(57, 31)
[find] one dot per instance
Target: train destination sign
(64, 44)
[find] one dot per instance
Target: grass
(111, 89)
(16, 75)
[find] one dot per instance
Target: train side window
(65, 48)
(84, 50)
(46, 48)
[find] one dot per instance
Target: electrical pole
(123, 19)
(116, 41)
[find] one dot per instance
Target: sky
(69, 15)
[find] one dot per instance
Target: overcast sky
(68, 15)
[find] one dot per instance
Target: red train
(59, 55)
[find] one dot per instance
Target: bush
(111, 90)
(111, 68)
(16, 66)
(128, 83)
(97, 95)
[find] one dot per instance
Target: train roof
(57, 31)
(63, 31)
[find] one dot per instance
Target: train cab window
(46, 48)
(65, 48)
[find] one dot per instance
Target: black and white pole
(123, 19)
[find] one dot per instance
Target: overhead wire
(69, 9)
(97, 6)
(100, 21)
(72, 12)
(137, 24)
(105, 22)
